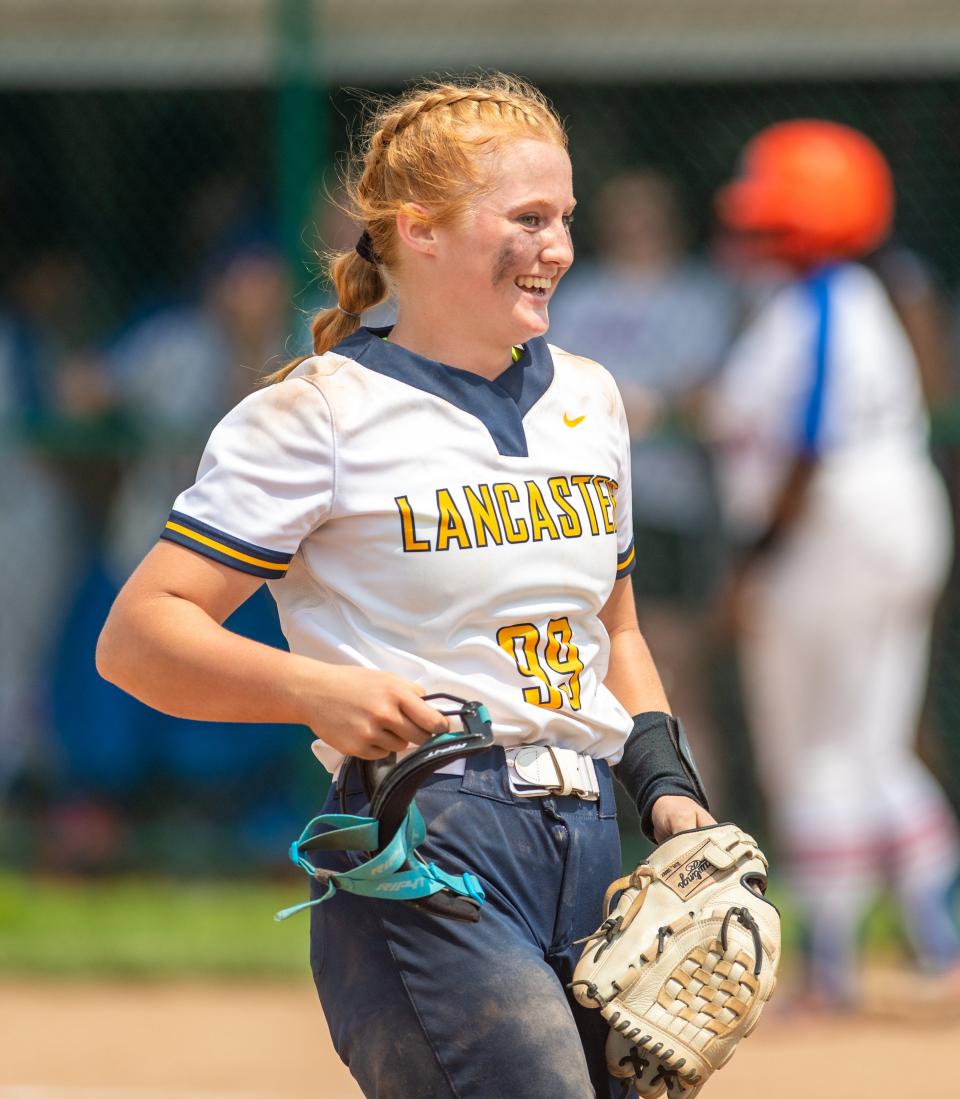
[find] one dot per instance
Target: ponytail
(359, 285)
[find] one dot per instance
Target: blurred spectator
(210, 215)
(661, 322)
(844, 526)
(51, 391)
(175, 372)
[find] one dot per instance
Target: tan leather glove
(685, 960)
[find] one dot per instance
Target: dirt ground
(96, 1041)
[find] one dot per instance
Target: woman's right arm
(164, 643)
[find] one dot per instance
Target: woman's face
(503, 260)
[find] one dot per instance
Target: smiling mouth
(536, 285)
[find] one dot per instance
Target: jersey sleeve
(626, 554)
(266, 480)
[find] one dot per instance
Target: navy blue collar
(499, 405)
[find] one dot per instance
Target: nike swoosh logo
(574, 422)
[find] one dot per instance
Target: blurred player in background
(844, 526)
(661, 322)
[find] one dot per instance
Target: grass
(167, 929)
(150, 929)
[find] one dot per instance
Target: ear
(416, 230)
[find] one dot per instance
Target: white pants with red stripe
(835, 662)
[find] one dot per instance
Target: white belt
(539, 770)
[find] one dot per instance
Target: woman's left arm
(632, 675)
(633, 679)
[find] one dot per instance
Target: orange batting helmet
(812, 191)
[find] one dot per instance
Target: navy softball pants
(421, 1007)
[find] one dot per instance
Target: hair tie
(347, 311)
(365, 249)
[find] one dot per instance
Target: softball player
(822, 438)
(443, 506)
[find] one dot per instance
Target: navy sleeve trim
(627, 561)
(224, 548)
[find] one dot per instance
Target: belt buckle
(538, 770)
(590, 790)
(577, 773)
(521, 771)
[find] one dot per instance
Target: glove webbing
(385, 875)
(704, 998)
(706, 995)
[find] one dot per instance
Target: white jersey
(825, 370)
(461, 533)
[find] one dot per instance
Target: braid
(423, 150)
(444, 95)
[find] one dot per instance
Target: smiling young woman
(466, 199)
(443, 506)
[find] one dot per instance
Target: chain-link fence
(162, 170)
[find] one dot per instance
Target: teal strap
(396, 873)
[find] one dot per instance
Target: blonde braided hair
(423, 148)
(520, 101)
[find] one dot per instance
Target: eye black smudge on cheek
(505, 263)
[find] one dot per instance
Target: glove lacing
(672, 1076)
(744, 917)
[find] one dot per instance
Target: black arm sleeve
(657, 760)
